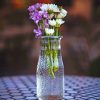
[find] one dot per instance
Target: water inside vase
(49, 88)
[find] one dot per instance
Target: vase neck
(50, 43)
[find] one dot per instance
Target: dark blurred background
(19, 49)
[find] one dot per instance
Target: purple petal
(34, 7)
(46, 23)
(31, 8)
(36, 21)
(38, 5)
(36, 17)
(37, 32)
(45, 15)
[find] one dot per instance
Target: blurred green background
(19, 49)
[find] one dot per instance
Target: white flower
(52, 22)
(44, 7)
(59, 21)
(49, 31)
(50, 6)
(56, 22)
(56, 9)
(62, 13)
(53, 8)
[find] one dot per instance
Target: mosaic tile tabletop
(24, 88)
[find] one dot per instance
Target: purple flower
(38, 5)
(44, 14)
(37, 32)
(31, 8)
(36, 17)
(34, 7)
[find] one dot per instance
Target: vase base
(50, 98)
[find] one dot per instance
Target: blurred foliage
(81, 35)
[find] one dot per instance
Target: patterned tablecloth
(24, 88)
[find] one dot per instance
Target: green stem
(51, 59)
(55, 57)
(51, 54)
(57, 31)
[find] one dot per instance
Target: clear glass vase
(50, 69)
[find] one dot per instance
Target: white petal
(52, 22)
(44, 7)
(59, 21)
(49, 31)
(63, 11)
(56, 10)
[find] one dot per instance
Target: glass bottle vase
(50, 69)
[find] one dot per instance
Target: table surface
(24, 88)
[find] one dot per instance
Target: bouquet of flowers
(48, 19)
